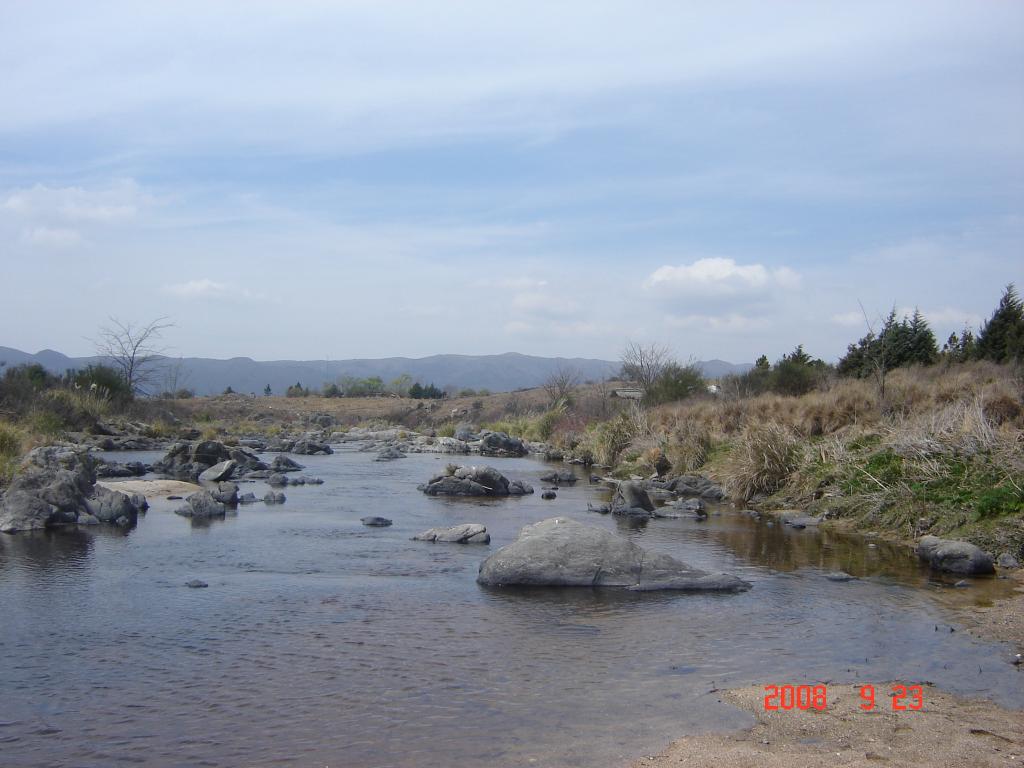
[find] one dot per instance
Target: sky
(371, 179)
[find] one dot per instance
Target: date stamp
(902, 698)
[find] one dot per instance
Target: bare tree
(561, 382)
(132, 349)
(644, 364)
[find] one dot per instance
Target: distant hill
(498, 373)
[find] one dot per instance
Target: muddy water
(322, 642)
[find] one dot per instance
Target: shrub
(763, 459)
(675, 382)
(687, 446)
(10, 450)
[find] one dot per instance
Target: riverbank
(947, 731)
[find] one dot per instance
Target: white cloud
(721, 277)
(732, 322)
(205, 288)
(121, 199)
(848, 319)
(51, 237)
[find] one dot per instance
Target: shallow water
(322, 642)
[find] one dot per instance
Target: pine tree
(921, 345)
(1002, 338)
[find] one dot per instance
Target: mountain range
(498, 373)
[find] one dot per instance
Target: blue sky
(371, 179)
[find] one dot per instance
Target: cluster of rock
(689, 486)
(387, 443)
(190, 460)
(57, 486)
(474, 481)
(559, 478)
(564, 553)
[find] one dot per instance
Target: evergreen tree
(268, 391)
(922, 347)
(1002, 338)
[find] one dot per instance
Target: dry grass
(762, 461)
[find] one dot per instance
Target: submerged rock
(954, 556)
(309, 447)
(562, 552)
(284, 464)
(274, 497)
(839, 576)
(548, 495)
(562, 478)
(378, 522)
(467, 533)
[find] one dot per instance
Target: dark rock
(309, 447)
(631, 494)
(562, 478)
(196, 584)
(378, 522)
(954, 556)
(474, 481)
(226, 493)
(500, 444)
(272, 497)
(467, 533)
(277, 480)
(247, 498)
(682, 509)
(519, 488)
(110, 506)
(601, 509)
(562, 552)
(284, 464)
(465, 433)
(548, 495)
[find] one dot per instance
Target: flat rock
(563, 552)
(839, 576)
(218, 472)
(377, 522)
(467, 533)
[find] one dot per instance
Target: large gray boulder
(500, 444)
(285, 464)
(389, 453)
(188, 460)
(21, 511)
(467, 533)
(954, 556)
(561, 552)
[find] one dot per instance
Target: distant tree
(400, 385)
(675, 382)
(1001, 338)
(643, 364)
(133, 349)
(331, 390)
(762, 363)
(268, 391)
(429, 392)
(560, 383)
(228, 390)
(297, 390)
(959, 349)
(797, 373)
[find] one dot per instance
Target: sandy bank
(151, 488)
(948, 731)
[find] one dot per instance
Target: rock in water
(467, 533)
(201, 505)
(378, 522)
(562, 552)
(475, 481)
(954, 556)
(218, 472)
(631, 495)
(284, 464)
(548, 495)
(839, 576)
(390, 453)
(196, 584)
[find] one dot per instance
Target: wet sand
(948, 731)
